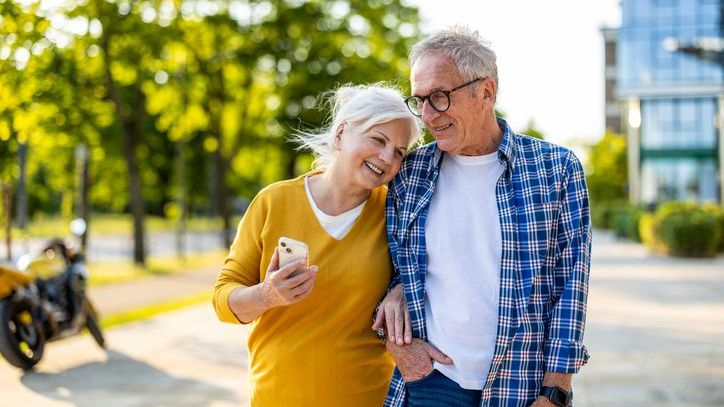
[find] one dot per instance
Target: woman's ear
(338, 136)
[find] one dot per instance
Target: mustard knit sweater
(320, 351)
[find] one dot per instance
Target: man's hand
(542, 401)
(279, 289)
(415, 359)
(394, 317)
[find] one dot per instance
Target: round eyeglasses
(439, 99)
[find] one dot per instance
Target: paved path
(655, 334)
(655, 329)
(115, 298)
(182, 359)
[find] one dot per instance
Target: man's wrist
(558, 396)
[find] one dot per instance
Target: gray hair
(358, 107)
(471, 54)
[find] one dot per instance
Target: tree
(532, 131)
(607, 169)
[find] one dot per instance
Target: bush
(684, 229)
(625, 222)
(602, 213)
(718, 212)
(693, 233)
(650, 233)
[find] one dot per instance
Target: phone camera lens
(284, 244)
(289, 250)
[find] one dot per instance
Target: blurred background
(157, 121)
(144, 116)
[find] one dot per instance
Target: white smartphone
(291, 250)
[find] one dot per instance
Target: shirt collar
(506, 150)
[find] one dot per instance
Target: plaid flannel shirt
(546, 236)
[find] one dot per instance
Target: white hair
(471, 54)
(358, 107)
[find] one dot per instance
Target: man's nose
(428, 112)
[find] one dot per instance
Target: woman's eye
(379, 140)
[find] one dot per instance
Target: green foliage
(718, 213)
(531, 130)
(228, 81)
(684, 229)
(607, 170)
(625, 222)
(602, 213)
(650, 233)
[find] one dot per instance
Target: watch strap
(558, 396)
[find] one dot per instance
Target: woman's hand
(393, 315)
(280, 289)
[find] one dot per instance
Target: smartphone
(291, 250)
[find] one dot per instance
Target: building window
(670, 179)
(685, 123)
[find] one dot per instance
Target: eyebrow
(404, 149)
(433, 90)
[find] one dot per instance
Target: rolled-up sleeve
(564, 348)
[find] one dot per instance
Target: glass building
(670, 85)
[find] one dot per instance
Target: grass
(102, 224)
(146, 312)
(122, 271)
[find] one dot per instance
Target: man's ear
(489, 92)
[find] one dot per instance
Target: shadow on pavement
(123, 381)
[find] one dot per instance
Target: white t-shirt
(337, 226)
(464, 249)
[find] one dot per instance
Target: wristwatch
(556, 395)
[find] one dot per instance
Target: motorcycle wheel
(95, 331)
(22, 340)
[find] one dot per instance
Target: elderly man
(490, 238)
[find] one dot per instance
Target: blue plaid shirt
(546, 234)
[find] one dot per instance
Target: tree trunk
(7, 202)
(82, 205)
(223, 197)
(21, 211)
(131, 124)
(181, 197)
(130, 143)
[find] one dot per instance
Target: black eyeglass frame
(421, 99)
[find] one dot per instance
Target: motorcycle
(44, 299)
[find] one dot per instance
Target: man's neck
(490, 141)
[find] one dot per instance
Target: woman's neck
(333, 194)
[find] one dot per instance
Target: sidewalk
(655, 332)
(655, 329)
(115, 298)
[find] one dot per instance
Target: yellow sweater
(320, 351)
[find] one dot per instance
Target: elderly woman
(310, 342)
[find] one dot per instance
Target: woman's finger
(408, 326)
(390, 323)
(305, 275)
(399, 325)
(379, 318)
(286, 271)
(304, 290)
(274, 263)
